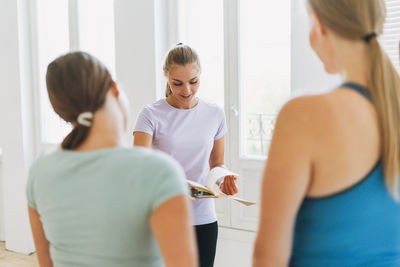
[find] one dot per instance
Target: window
(63, 26)
(52, 41)
(206, 36)
(96, 30)
(264, 70)
(263, 56)
(391, 32)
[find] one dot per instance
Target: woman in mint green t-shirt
(94, 202)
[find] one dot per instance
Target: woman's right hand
(229, 186)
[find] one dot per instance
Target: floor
(11, 259)
(234, 250)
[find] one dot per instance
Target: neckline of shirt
(90, 152)
(182, 109)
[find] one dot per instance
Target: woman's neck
(176, 104)
(105, 132)
(354, 62)
(356, 73)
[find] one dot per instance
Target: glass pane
(96, 30)
(206, 36)
(264, 70)
(96, 36)
(53, 41)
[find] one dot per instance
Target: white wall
(162, 43)
(16, 122)
(307, 72)
(135, 57)
(140, 51)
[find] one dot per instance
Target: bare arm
(217, 159)
(285, 182)
(41, 243)
(142, 139)
(217, 153)
(171, 225)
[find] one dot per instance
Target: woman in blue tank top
(330, 183)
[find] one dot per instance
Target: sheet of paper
(214, 175)
(243, 201)
(217, 173)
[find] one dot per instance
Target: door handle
(235, 110)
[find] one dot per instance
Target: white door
(257, 38)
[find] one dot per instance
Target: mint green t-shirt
(95, 205)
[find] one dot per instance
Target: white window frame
(40, 145)
(74, 44)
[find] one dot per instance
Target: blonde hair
(363, 19)
(179, 55)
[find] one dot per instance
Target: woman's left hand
(229, 186)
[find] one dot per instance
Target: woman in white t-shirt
(192, 131)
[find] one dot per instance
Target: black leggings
(207, 235)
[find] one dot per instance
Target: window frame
(41, 144)
(233, 88)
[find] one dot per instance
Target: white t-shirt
(188, 135)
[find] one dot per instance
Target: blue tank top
(359, 226)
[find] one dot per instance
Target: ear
(319, 27)
(114, 89)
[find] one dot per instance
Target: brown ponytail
(76, 83)
(75, 137)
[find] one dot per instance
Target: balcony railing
(258, 134)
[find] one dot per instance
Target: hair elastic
(84, 118)
(368, 37)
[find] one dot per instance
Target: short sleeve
(30, 193)
(144, 122)
(222, 129)
(169, 183)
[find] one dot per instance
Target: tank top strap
(359, 88)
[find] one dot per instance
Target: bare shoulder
(302, 104)
(324, 109)
(314, 120)
(304, 112)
